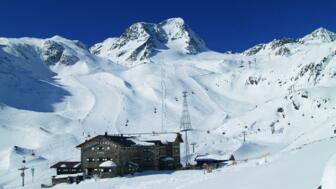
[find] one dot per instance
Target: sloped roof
(67, 164)
(167, 159)
(164, 138)
(214, 157)
(119, 139)
(139, 139)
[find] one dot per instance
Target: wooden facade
(116, 155)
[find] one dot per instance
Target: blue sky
(224, 25)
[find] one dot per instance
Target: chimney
(105, 133)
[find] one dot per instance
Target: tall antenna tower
(163, 100)
(185, 127)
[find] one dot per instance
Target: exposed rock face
(254, 50)
(281, 42)
(283, 51)
(315, 71)
(53, 52)
(253, 80)
(277, 47)
(68, 59)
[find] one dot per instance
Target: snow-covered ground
(55, 92)
(328, 179)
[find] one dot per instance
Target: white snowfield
(55, 92)
(328, 179)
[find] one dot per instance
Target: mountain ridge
(55, 93)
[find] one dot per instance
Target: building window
(90, 159)
(108, 148)
(92, 148)
(100, 148)
(146, 150)
(148, 159)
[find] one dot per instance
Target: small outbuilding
(213, 160)
(67, 172)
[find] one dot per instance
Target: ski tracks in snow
(107, 103)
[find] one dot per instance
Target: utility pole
(22, 169)
(32, 172)
(272, 128)
(244, 136)
(193, 146)
(185, 127)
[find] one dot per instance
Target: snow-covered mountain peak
(141, 41)
(176, 29)
(176, 21)
(319, 35)
(173, 27)
(284, 46)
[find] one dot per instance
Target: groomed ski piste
(55, 92)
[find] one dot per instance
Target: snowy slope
(328, 179)
(55, 92)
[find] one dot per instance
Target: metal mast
(185, 127)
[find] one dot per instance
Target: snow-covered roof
(167, 159)
(145, 139)
(163, 138)
(140, 143)
(68, 175)
(108, 164)
(77, 165)
(216, 157)
(66, 164)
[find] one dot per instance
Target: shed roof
(66, 164)
(68, 175)
(214, 157)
